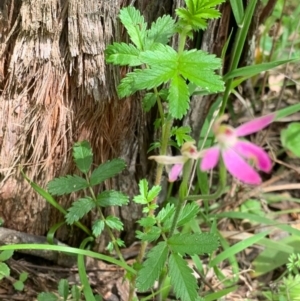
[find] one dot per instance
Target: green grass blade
(238, 11)
(219, 294)
(287, 111)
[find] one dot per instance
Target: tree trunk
(55, 89)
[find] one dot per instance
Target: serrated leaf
(143, 187)
(18, 285)
(147, 222)
(120, 242)
(79, 209)
(135, 25)
(197, 66)
(111, 198)
(153, 234)
(83, 156)
(4, 270)
(182, 280)
(75, 293)
(139, 199)
(98, 227)
(63, 288)
(4, 255)
(110, 247)
(126, 86)
(107, 170)
(165, 212)
(290, 138)
(114, 223)
(193, 244)
(181, 134)
(160, 32)
(188, 212)
(66, 185)
(148, 101)
(178, 97)
(153, 193)
(47, 297)
(152, 267)
(122, 54)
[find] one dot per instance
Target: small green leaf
(153, 193)
(152, 267)
(147, 222)
(142, 197)
(290, 138)
(193, 244)
(98, 227)
(4, 255)
(153, 234)
(120, 242)
(63, 288)
(76, 294)
(107, 170)
(83, 156)
(23, 276)
(181, 134)
(66, 185)
(79, 209)
(47, 297)
(165, 212)
(183, 282)
(188, 212)
(148, 101)
(111, 198)
(122, 54)
(4, 270)
(114, 223)
(135, 25)
(18, 285)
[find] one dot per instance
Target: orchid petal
(239, 168)
(175, 172)
(210, 158)
(252, 151)
(167, 160)
(254, 125)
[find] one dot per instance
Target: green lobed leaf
(47, 297)
(4, 270)
(98, 227)
(165, 213)
(178, 97)
(160, 32)
(193, 244)
(126, 86)
(152, 267)
(83, 156)
(151, 235)
(148, 101)
(107, 170)
(290, 138)
(187, 213)
(135, 25)
(63, 288)
(75, 293)
(111, 198)
(181, 134)
(153, 193)
(4, 255)
(66, 185)
(114, 222)
(79, 208)
(147, 222)
(120, 242)
(18, 285)
(122, 54)
(182, 280)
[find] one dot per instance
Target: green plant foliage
(66, 185)
(79, 209)
(83, 156)
(188, 213)
(63, 288)
(151, 235)
(111, 198)
(181, 134)
(152, 267)
(148, 221)
(114, 222)
(75, 292)
(149, 101)
(18, 285)
(5, 255)
(98, 227)
(165, 213)
(47, 297)
(146, 196)
(290, 138)
(182, 280)
(4, 270)
(106, 171)
(193, 244)
(195, 15)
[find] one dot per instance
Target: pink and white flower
(236, 152)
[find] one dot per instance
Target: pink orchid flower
(235, 152)
(188, 151)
